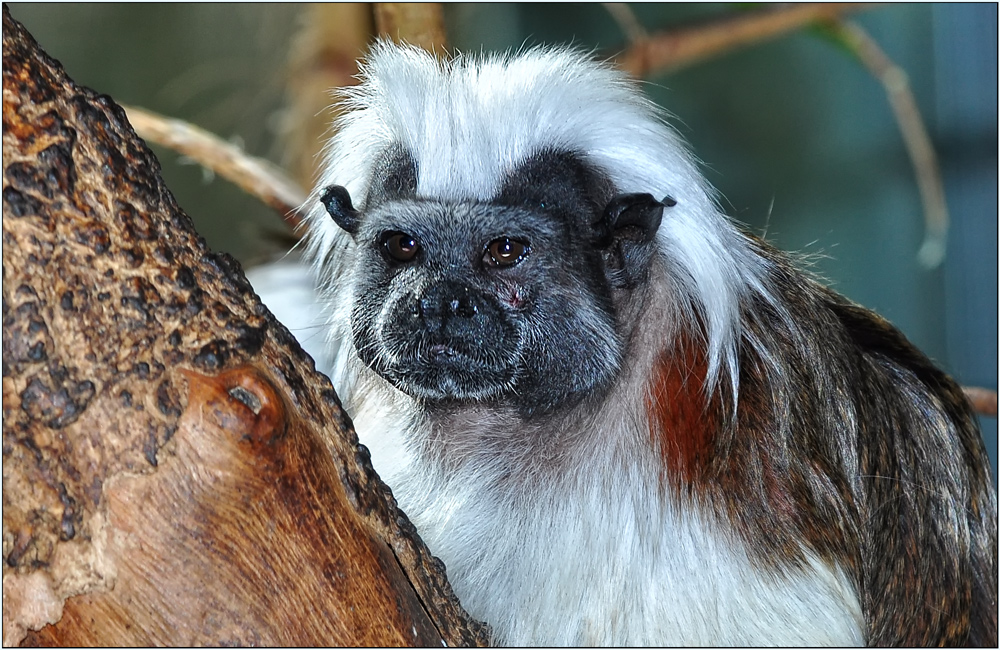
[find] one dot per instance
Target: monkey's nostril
(466, 308)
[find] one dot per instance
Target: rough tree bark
(174, 470)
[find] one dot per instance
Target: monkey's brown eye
(400, 246)
(505, 252)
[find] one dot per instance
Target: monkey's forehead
(462, 222)
(470, 120)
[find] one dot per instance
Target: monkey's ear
(337, 201)
(625, 233)
(635, 217)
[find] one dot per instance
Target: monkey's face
(511, 301)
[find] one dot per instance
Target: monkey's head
(494, 225)
(513, 299)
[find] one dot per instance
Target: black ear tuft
(632, 216)
(337, 201)
(626, 232)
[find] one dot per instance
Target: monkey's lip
(444, 371)
(446, 353)
(439, 350)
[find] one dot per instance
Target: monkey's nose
(451, 308)
(445, 300)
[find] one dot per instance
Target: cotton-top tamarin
(618, 419)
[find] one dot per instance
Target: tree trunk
(175, 472)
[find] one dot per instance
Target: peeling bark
(174, 470)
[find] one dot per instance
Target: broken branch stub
(174, 470)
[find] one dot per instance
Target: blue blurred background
(798, 137)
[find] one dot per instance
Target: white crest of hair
(470, 120)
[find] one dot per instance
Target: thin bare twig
(675, 48)
(627, 21)
(915, 136)
(254, 176)
(984, 400)
(420, 24)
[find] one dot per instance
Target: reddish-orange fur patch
(732, 466)
(682, 425)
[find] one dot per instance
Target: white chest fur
(595, 557)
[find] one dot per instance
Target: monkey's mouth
(450, 370)
(441, 351)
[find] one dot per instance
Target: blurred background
(797, 136)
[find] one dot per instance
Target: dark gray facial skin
(512, 302)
